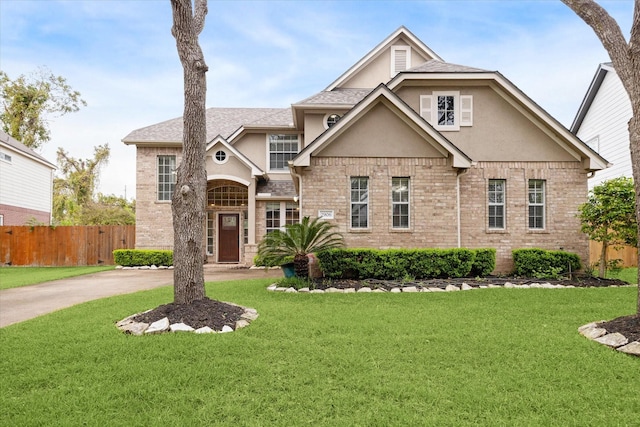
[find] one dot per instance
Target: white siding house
(602, 123)
(26, 184)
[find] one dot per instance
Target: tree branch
(199, 16)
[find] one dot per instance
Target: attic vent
(400, 59)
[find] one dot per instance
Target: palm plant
(299, 240)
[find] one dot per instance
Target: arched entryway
(227, 220)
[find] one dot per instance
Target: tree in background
(75, 189)
(626, 61)
(28, 100)
(189, 197)
(609, 216)
(109, 210)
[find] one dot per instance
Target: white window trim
(326, 118)
(282, 213)
(394, 49)
(503, 204)
(543, 204)
(285, 170)
(221, 162)
(463, 110)
(408, 203)
(368, 203)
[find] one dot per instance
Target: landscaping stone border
(130, 326)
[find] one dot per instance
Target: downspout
(297, 176)
(458, 210)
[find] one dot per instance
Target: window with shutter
(447, 111)
(425, 107)
(466, 110)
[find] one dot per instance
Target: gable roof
(594, 87)
(376, 51)
(8, 141)
(255, 170)
(220, 121)
(521, 102)
(380, 94)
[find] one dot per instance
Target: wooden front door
(228, 238)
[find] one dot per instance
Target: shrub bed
(141, 257)
(398, 264)
(544, 264)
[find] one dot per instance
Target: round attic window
(331, 120)
(220, 156)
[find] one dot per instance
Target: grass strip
(482, 357)
(14, 277)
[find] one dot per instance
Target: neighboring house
(402, 150)
(26, 184)
(602, 123)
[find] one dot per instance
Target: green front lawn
(483, 357)
(629, 275)
(13, 277)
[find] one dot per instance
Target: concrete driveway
(27, 302)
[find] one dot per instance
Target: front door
(228, 238)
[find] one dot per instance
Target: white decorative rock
(535, 285)
(153, 267)
(281, 289)
(395, 290)
(272, 287)
(379, 291)
(316, 291)
(410, 289)
(350, 291)
(242, 323)
(364, 290)
(205, 330)
(436, 289)
(548, 286)
(226, 329)
(493, 285)
(631, 348)
(509, 285)
(250, 314)
(134, 328)
(593, 333)
(590, 325)
(483, 287)
(290, 290)
(466, 287)
(613, 340)
(304, 290)
(161, 325)
(180, 327)
(451, 288)
(333, 291)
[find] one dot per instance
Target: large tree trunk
(188, 203)
(626, 61)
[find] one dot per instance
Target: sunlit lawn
(629, 275)
(13, 277)
(484, 357)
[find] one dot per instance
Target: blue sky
(121, 56)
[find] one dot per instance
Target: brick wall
(15, 215)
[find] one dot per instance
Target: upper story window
(360, 202)
(400, 59)
(6, 157)
(496, 211)
(447, 111)
(282, 148)
(331, 120)
(166, 177)
(536, 204)
(220, 157)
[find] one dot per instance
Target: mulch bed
(216, 314)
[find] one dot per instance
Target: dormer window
(330, 120)
(400, 59)
(447, 111)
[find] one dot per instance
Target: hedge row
(397, 264)
(545, 264)
(141, 257)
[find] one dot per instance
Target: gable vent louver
(400, 59)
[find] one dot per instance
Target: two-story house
(402, 150)
(26, 184)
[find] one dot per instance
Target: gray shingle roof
(19, 146)
(434, 66)
(336, 96)
(220, 121)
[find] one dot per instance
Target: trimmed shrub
(544, 264)
(484, 262)
(397, 264)
(141, 257)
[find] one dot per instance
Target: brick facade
(15, 215)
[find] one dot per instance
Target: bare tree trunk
(626, 61)
(602, 269)
(188, 202)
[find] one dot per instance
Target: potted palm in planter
(298, 241)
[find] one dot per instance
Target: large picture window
(536, 203)
(497, 189)
(359, 202)
(166, 177)
(400, 202)
(282, 148)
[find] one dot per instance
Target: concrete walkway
(27, 302)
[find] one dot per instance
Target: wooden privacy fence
(64, 245)
(628, 254)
